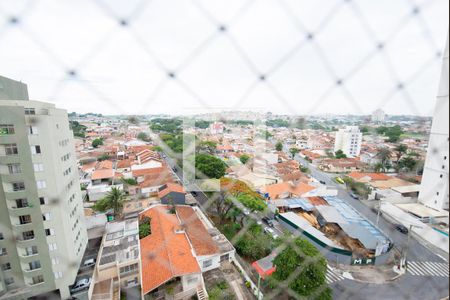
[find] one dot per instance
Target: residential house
(172, 193)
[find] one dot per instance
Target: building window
(1, 236)
(47, 216)
(6, 266)
(36, 149)
(39, 167)
(37, 279)
(14, 169)
(31, 250)
(43, 200)
(207, 263)
(21, 203)
(58, 274)
(32, 130)
(28, 235)
(128, 269)
(55, 261)
(9, 281)
(440, 176)
(18, 186)
(49, 231)
(52, 247)
(6, 129)
(30, 111)
(25, 219)
(10, 149)
(34, 265)
(41, 184)
(3, 251)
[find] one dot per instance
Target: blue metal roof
(299, 203)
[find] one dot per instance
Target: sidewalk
(368, 274)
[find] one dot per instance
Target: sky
(300, 57)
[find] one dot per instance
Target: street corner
(370, 274)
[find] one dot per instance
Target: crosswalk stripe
(435, 268)
(331, 276)
(428, 268)
(431, 269)
(413, 266)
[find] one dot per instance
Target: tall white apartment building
(42, 232)
(348, 140)
(378, 116)
(434, 188)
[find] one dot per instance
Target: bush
(144, 227)
(97, 142)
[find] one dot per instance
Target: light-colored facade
(42, 233)
(378, 116)
(348, 140)
(118, 261)
(434, 187)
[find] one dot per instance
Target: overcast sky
(124, 69)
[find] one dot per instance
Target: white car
(80, 285)
(89, 263)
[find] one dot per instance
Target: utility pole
(379, 211)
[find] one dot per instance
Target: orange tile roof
(124, 163)
(165, 254)
(149, 171)
(171, 187)
(298, 189)
(316, 201)
(196, 231)
(105, 164)
(373, 176)
(102, 174)
(88, 166)
(157, 179)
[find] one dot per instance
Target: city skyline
(165, 57)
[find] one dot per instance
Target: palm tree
(400, 150)
(115, 199)
(384, 154)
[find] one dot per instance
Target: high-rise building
(434, 187)
(348, 140)
(378, 116)
(42, 232)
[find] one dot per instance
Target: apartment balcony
(106, 289)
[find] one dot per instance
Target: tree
(340, 154)
(143, 136)
(384, 155)
(207, 146)
(305, 169)
(97, 142)
(244, 158)
(400, 150)
(279, 146)
(407, 164)
(114, 199)
(103, 157)
(210, 166)
(293, 151)
(304, 258)
(144, 227)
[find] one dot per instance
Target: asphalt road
(407, 287)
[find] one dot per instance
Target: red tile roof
(165, 254)
(169, 188)
(102, 174)
(196, 231)
(373, 176)
(275, 190)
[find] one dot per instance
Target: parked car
(354, 196)
(246, 211)
(268, 221)
(194, 194)
(322, 182)
(89, 263)
(401, 228)
(339, 180)
(80, 285)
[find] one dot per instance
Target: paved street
(408, 286)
